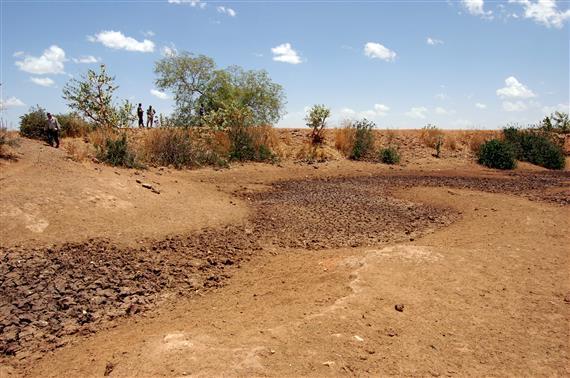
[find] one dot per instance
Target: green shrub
(33, 124)
(116, 152)
(389, 155)
(72, 125)
(536, 147)
(497, 154)
(363, 139)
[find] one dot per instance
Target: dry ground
(283, 270)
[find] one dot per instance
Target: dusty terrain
(283, 270)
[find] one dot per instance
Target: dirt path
(487, 295)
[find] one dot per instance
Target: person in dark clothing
(202, 111)
(140, 114)
(150, 116)
(53, 128)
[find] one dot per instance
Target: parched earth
(48, 296)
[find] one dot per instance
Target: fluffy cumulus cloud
(42, 81)
(225, 10)
(86, 59)
(479, 105)
(11, 102)
(433, 41)
(119, 41)
(375, 50)
(418, 112)
(158, 94)
(514, 89)
(544, 12)
(514, 106)
(285, 53)
(50, 62)
(193, 3)
(476, 8)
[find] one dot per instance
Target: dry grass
(431, 136)
(78, 150)
(266, 136)
(8, 141)
(451, 142)
(344, 138)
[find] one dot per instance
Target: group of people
(150, 113)
(53, 127)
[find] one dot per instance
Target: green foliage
(536, 147)
(33, 124)
(497, 154)
(92, 96)
(557, 122)
(363, 139)
(317, 121)
(116, 152)
(194, 80)
(389, 155)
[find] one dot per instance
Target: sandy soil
(477, 258)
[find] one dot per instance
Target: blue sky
(403, 64)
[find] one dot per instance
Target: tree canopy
(195, 81)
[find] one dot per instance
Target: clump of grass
(7, 142)
(433, 137)
(389, 155)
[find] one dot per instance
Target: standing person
(140, 114)
(53, 128)
(202, 113)
(150, 116)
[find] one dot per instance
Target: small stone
(109, 369)
(328, 363)
(399, 307)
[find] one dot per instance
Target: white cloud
(158, 94)
(476, 7)
(441, 96)
(148, 33)
(86, 59)
(11, 102)
(544, 12)
(417, 112)
(517, 106)
(347, 113)
(285, 53)
(442, 111)
(18, 54)
(119, 41)
(377, 51)
(193, 3)
(381, 110)
(514, 89)
(480, 105)
(50, 62)
(43, 81)
(434, 41)
(225, 10)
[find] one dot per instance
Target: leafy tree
(561, 122)
(194, 80)
(317, 120)
(33, 124)
(92, 96)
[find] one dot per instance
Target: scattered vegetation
(317, 121)
(92, 96)
(73, 125)
(363, 139)
(535, 146)
(116, 152)
(557, 122)
(433, 137)
(497, 154)
(6, 142)
(389, 155)
(33, 123)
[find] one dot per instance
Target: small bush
(363, 139)
(389, 155)
(433, 137)
(317, 121)
(33, 124)
(6, 141)
(116, 152)
(497, 154)
(536, 147)
(73, 126)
